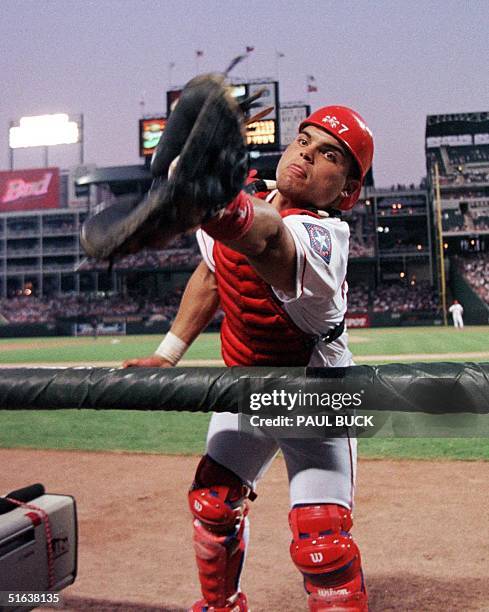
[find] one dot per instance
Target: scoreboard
(150, 131)
(262, 135)
(271, 133)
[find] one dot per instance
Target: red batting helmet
(350, 129)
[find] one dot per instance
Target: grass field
(184, 432)
(364, 343)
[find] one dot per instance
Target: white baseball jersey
(456, 310)
(320, 297)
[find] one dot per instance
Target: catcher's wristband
(172, 348)
(234, 221)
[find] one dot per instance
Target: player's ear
(351, 185)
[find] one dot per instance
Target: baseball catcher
(275, 261)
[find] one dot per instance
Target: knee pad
(217, 497)
(324, 551)
(217, 501)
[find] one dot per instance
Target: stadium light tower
(45, 131)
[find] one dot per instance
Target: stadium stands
(392, 298)
(475, 270)
(395, 297)
(150, 260)
(362, 239)
(401, 298)
(181, 253)
(30, 309)
(475, 220)
(390, 230)
(359, 299)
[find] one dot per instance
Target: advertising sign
(354, 321)
(150, 131)
(29, 189)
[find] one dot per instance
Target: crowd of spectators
(465, 177)
(393, 297)
(31, 309)
(474, 221)
(190, 258)
(453, 221)
(482, 225)
(362, 243)
(87, 307)
(460, 156)
(476, 271)
(401, 297)
(183, 252)
(461, 165)
(480, 219)
(25, 310)
(358, 297)
(150, 260)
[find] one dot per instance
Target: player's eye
(331, 156)
(302, 141)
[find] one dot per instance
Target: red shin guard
(219, 533)
(219, 559)
(327, 556)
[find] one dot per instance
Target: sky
(394, 61)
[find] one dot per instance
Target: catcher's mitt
(200, 165)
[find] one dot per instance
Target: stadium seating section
(475, 269)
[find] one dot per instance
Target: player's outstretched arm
(199, 304)
(269, 247)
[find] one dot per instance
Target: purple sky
(395, 61)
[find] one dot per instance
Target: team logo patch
(320, 240)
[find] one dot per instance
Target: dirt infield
(422, 527)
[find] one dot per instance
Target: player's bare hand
(147, 362)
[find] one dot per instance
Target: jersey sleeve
(206, 246)
(321, 256)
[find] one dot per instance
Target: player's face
(314, 169)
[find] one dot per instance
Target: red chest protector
(256, 330)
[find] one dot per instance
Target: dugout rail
(434, 388)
